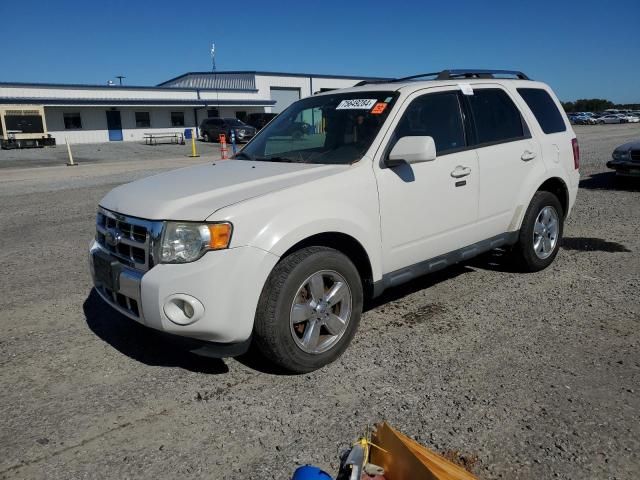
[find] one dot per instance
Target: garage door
(283, 97)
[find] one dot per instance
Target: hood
(628, 146)
(194, 193)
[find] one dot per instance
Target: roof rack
(452, 74)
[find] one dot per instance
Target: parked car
(259, 120)
(611, 118)
(280, 246)
(629, 118)
(211, 128)
(586, 120)
(625, 159)
(582, 119)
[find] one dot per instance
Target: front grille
(128, 239)
(635, 155)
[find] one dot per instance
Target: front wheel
(309, 309)
(540, 234)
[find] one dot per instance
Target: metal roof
(235, 77)
(133, 102)
(243, 81)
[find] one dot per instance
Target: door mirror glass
(412, 150)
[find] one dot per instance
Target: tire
(280, 329)
(205, 137)
(532, 253)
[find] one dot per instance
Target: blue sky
(581, 48)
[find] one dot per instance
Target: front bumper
(625, 167)
(228, 283)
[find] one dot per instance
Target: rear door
(507, 156)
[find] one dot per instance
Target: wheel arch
(347, 245)
(554, 185)
(557, 187)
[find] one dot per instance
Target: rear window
(496, 117)
(544, 109)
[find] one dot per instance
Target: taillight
(576, 153)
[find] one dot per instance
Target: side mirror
(412, 150)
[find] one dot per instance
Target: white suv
(281, 245)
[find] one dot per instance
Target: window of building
(544, 109)
(72, 121)
(143, 119)
(213, 113)
(435, 115)
(177, 119)
(496, 117)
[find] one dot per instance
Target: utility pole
(120, 77)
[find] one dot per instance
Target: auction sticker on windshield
(356, 104)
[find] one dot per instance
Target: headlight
(621, 155)
(184, 242)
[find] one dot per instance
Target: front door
(114, 125)
(428, 209)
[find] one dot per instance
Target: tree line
(596, 105)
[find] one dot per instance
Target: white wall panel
(94, 121)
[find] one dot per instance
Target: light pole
(120, 77)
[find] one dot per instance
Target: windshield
(336, 128)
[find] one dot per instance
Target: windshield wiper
(275, 159)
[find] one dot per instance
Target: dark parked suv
(259, 120)
(211, 128)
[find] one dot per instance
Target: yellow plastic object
(404, 459)
(194, 153)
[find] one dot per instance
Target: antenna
(120, 77)
(215, 76)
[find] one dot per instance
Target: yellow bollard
(70, 162)
(193, 144)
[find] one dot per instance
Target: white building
(93, 113)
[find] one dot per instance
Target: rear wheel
(309, 309)
(205, 137)
(540, 234)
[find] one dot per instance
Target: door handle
(460, 172)
(527, 155)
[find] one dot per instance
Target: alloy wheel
(545, 232)
(320, 311)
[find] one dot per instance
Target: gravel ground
(524, 376)
(90, 153)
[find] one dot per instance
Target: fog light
(187, 309)
(183, 309)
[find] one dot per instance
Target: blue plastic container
(309, 472)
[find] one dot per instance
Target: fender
(533, 187)
(346, 203)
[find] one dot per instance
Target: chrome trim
(129, 288)
(126, 231)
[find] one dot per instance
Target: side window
(72, 121)
(495, 116)
(544, 109)
(177, 119)
(437, 115)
